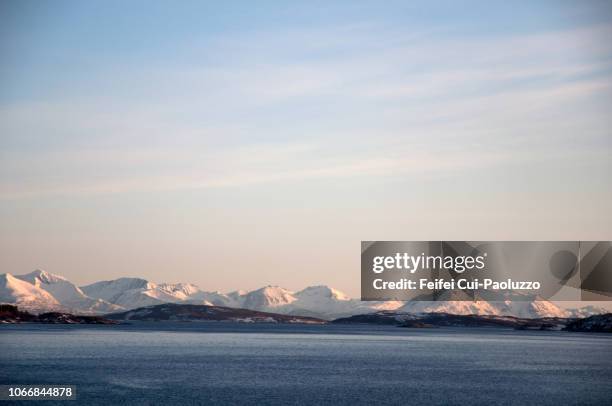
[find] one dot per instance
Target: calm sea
(217, 363)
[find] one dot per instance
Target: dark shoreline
(177, 314)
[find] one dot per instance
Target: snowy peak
(54, 284)
(489, 303)
(70, 296)
(321, 292)
(107, 290)
(41, 277)
(531, 309)
(268, 297)
(25, 295)
(129, 293)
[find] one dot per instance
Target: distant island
(189, 312)
(10, 314)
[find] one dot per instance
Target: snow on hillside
(181, 291)
(70, 296)
(389, 305)
(109, 290)
(325, 302)
(267, 298)
(314, 301)
(480, 308)
(489, 303)
(25, 295)
(131, 293)
(213, 298)
(321, 292)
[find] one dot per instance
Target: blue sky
(240, 144)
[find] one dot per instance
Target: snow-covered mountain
(70, 297)
(330, 303)
(25, 295)
(42, 291)
(491, 303)
(315, 301)
(182, 291)
(130, 293)
(267, 298)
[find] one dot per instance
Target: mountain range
(41, 291)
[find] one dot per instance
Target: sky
(239, 144)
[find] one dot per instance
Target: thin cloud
(384, 109)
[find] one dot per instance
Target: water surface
(195, 363)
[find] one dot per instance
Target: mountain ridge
(69, 296)
(41, 291)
